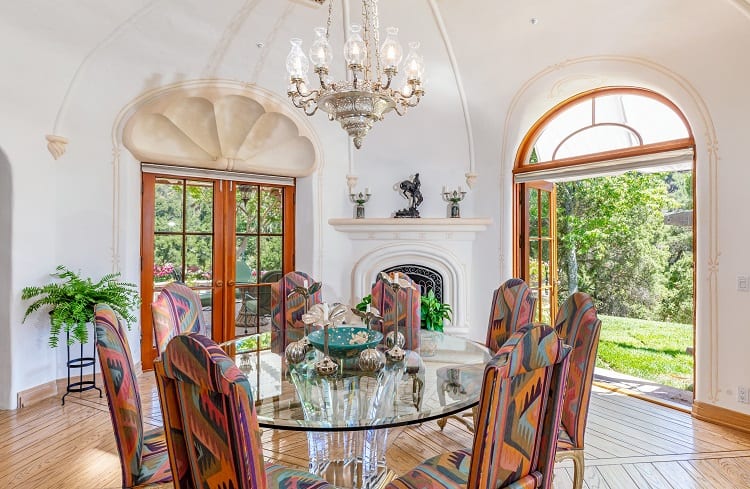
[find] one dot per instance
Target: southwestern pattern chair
(578, 325)
(409, 310)
(409, 324)
(222, 438)
(512, 307)
(143, 454)
(177, 309)
(286, 312)
(519, 417)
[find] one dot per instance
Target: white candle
(368, 308)
(445, 189)
(367, 190)
(395, 276)
(459, 189)
(304, 283)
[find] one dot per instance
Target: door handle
(219, 283)
(231, 283)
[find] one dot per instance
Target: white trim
(677, 160)
(438, 229)
(184, 171)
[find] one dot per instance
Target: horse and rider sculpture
(410, 190)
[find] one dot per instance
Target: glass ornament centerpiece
(367, 92)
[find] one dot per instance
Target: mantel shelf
(408, 228)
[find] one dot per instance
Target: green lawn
(649, 350)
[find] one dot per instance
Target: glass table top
(412, 391)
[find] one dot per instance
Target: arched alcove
(6, 199)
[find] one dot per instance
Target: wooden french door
(227, 240)
(537, 245)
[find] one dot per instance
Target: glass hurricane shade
(391, 52)
(355, 51)
(296, 61)
(320, 51)
(414, 65)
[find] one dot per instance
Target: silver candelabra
(360, 199)
(454, 197)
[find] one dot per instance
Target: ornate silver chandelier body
(367, 94)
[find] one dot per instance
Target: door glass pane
(246, 267)
(198, 260)
(168, 206)
(271, 253)
(271, 214)
(533, 279)
(246, 201)
(544, 216)
(544, 298)
(533, 212)
(199, 207)
(545, 262)
(206, 296)
(167, 259)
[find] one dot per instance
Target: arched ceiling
(125, 48)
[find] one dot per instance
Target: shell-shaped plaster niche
(221, 130)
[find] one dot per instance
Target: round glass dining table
(348, 416)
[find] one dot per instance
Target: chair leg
(442, 422)
(577, 457)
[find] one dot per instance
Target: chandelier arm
(298, 83)
(398, 111)
(308, 104)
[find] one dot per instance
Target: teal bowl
(346, 341)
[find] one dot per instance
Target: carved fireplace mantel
(430, 228)
(444, 245)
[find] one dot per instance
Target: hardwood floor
(630, 444)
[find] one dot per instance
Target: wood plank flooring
(630, 444)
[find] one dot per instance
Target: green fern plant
(434, 312)
(72, 302)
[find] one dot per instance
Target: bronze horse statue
(410, 190)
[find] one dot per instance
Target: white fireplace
(443, 245)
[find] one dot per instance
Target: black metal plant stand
(80, 363)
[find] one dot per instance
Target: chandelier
(367, 93)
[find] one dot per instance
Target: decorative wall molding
(56, 145)
(438, 16)
(221, 128)
(706, 168)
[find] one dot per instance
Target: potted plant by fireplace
(71, 300)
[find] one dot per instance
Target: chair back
(579, 326)
(220, 427)
(519, 411)
(121, 386)
(173, 431)
(286, 312)
(177, 309)
(409, 309)
(512, 307)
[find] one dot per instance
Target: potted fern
(72, 299)
(434, 312)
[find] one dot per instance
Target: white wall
(6, 274)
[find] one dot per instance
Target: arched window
(607, 131)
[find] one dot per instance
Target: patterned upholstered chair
(578, 325)
(512, 307)
(143, 454)
(409, 324)
(222, 443)
(286, 312)
(177, 309)
(409, 310)
(519, 417)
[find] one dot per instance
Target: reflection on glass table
(349, 416)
